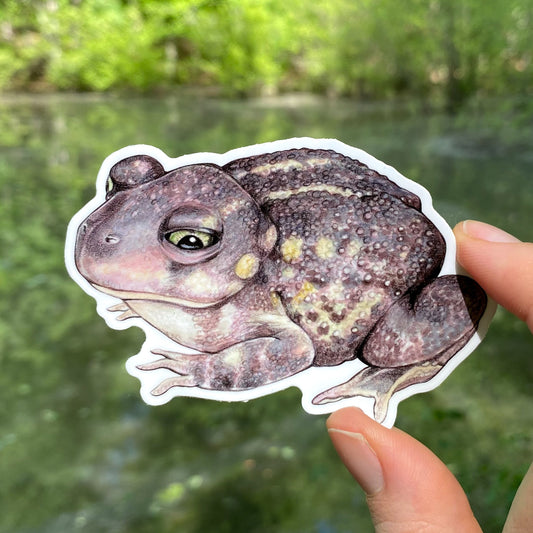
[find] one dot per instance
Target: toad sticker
(302, 262)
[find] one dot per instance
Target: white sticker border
(311, 381)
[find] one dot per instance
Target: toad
(271, 264)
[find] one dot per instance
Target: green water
(79, 451)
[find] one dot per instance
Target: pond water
(79, 451)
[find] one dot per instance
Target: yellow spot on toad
(324, 248)
(306, 290)
(291, 249)
(364, 309)
(317, 187)
(247, 266)
(288, 273)
(353, 248)
(276, 301)
(270, 238)
(283, 165)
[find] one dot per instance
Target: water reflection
(78, 448)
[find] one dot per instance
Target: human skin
(408, 488)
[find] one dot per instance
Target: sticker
(302, 262)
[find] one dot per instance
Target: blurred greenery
(79, 451)
(445, 50)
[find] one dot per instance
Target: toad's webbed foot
(379, 384)
(177, 362)
(124, 309)
(188, 367)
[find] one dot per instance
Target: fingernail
(359, 458)
(486, 232)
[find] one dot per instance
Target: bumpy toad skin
(307, 258)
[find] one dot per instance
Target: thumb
(408, 488)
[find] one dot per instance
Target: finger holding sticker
(501, 263)
(408, 488)
(303, 262)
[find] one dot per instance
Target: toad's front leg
(242, 366)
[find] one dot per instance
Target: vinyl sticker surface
(302, 262)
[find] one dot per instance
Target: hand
(408, 488)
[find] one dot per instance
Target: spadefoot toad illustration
(271, 264)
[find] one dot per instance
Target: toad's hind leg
(414, 340)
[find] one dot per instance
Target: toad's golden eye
(109, 185)
(192, 239)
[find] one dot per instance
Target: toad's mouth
(134, 295)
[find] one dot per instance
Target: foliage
(450, 49)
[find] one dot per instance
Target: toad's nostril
(111, 239)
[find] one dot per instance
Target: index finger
(500, 263)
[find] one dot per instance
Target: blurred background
(439, 89)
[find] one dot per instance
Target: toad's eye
(192, 239)
(109, 185)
